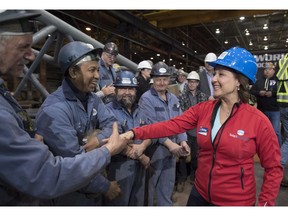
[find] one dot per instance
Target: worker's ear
(72, 72)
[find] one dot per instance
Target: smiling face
(85, 76)
(160, 83)
(126, 95)
(225, 84)
(15, 52)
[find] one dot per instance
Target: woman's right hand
(129, 135)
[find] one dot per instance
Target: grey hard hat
(111, 48)
(16, 21)
(160, 69)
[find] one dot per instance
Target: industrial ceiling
(182, 38)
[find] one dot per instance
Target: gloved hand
(114, 190)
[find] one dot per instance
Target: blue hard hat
(74, 51)
(125, 78)
(160, 69)
(240, 60)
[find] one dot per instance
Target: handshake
(117, 144)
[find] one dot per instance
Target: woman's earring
(238, 88)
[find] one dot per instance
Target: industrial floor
(282, 199)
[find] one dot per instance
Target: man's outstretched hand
(115, 144)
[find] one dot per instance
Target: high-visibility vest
(282, 75)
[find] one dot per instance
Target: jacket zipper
(219, 134)
(210, 175)
(242, 176)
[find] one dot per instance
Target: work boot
(180, 187)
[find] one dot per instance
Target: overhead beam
(172, 19)
(154, 32)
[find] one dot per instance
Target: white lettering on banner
(260, 59)
(262, 64)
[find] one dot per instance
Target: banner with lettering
(261, 59)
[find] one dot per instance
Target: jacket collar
(235, 107)
(72, 93)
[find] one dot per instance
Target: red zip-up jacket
(225, 173)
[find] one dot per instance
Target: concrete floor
(282, 199)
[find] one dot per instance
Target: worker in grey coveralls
(158, 104)
(29, 171)
(129, 173)
(107, 71)
(71, 113)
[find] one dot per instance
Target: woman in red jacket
(229, 133)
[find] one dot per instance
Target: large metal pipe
(36, 83)
(35, 64)
(67, 29)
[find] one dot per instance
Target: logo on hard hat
(223, 54)
(126, 80)
(134, 80)
(162, 70)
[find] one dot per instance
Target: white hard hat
(144, 64)
(210, 57)
(181, 72)
(193, 75)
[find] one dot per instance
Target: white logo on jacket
(94, 112)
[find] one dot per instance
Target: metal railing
(53, 33)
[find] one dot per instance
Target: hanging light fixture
(265, 26)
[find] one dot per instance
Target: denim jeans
(284, 147)
(274, 117)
